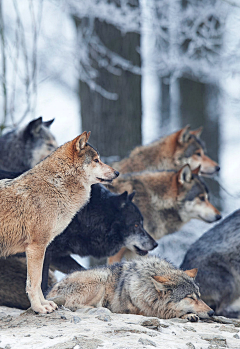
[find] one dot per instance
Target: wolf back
(217, 255)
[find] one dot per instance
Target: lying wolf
(167, 200)
(21, 149)
(217, 254)
(147, 286)
(171, 152)
(39, 205)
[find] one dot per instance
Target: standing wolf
(146, 286)
(217, 255)
(171, 152)
(39, 205)
(21, 149)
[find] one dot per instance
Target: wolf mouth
(104, 180)
(140, 252)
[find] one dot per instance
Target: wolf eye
(202, 198)
(136, 225)
(198, 153)
(96, 160)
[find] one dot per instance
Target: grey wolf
(217, 254)
(13, 275)
(171, 152)
(106, 224)
(38, 205)
(167, 200)
(145, 286)
(21, 149)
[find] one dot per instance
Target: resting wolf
(145, 286)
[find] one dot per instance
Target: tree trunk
(115, 124)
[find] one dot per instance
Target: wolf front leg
(35, 255)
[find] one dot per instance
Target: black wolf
(23, 148)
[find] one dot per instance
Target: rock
(75, 319)
(215, 339)
(106, 318)
(224, 320)
(58, 300)
(190, 345)
(153, 323)
(176, 319)
(229, 329)
(147, 342)
(236, 336)
(189, 328)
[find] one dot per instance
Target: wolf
(38, 205)
(171, 152)
(167, 200)
(21, 149)
(13, 272)
(217, 254)
(145, 286)
(106, 224)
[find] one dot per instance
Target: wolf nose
(217, 168)
(155, 244)
(218, 216)
(116, 173)
(210, 313)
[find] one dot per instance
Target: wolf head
(189, 149)
(192, 197)
(23, 148)
(87, 159)
(179, 293)
(39, 142)
(130, 220)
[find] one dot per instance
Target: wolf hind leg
(35, 256)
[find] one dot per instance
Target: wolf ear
(131, 196)
(184, 135)
(33, 127)
(196, 170)
(192, 273)
(197, 133)
(184, 175)
(82, 140)
(48, 123)
(122, 199)
(160, 282)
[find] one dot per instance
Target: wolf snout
(116, 173)
(218, 217)
(155, 244)
(211, 313)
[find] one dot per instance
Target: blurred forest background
(130, 71)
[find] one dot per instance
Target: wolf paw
(49, 304)
(43, 309)
(192, 317)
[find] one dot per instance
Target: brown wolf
(171, 152)
(145, 286)
(167, 200)
(39, 205)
